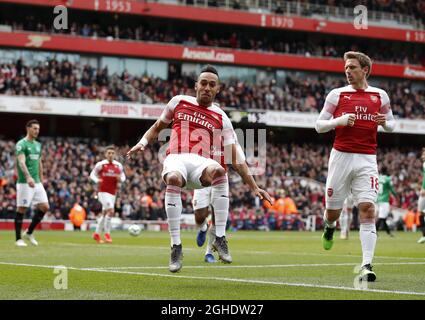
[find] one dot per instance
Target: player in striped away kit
(108, 174)
(29, 188)
(355, 112)
(198, 128)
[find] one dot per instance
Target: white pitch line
(259, 266)
(72, 244)
(308, 285)
(329, 255)
(112, 246)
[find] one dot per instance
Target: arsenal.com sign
(208, 55)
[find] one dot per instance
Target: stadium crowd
(298, 93)
(299, 44)
(296, 183)
(405, 7)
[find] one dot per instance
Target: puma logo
(347, 97)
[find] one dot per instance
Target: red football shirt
(360, 138)
(109, 172)
(197, 129)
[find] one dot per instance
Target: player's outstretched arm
(148, 137)
(239, 164)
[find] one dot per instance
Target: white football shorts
(383, 210)
(27, 196)
(351, 172)
(107, 200)
(202, 198)
(189, 165)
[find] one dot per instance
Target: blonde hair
(362, 58)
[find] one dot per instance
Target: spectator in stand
(77, 216)
(411, 220)
(306, 45)
(302, 176)
(146, 203)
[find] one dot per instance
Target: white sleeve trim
(94, 174)
(332, 99)
(168, 113)
(228, 131)
(390, 122)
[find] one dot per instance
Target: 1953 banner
(233, 17)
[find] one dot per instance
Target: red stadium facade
(195, 54)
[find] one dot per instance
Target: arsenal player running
(354, 111)
(108, 174)
(195, 122)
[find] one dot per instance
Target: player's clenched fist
(380, 119)
(351, 120)
(347, 120)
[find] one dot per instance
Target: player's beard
(206, 101)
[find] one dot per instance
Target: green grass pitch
(267, 265)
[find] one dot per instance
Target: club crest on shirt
(374, 99)
(330, 192)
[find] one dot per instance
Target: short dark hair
(110, 147)
(31, 122)
(384, 170)
(210, 68)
